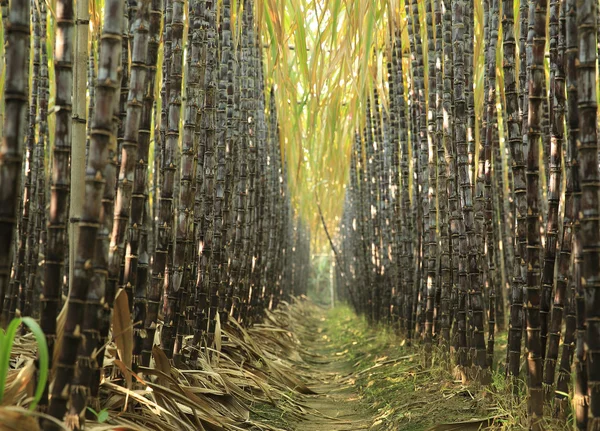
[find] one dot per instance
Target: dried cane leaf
(122, 328)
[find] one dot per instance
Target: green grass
(391, 378)
(6, 343)
(268, 413)
(405, 395)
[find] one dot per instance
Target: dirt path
(337, 405)
(366, 378)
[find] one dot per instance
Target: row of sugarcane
(205, 233)
(454, 212)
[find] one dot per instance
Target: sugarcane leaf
(43, 358)
(6, 343)
(334, 20)
(162, 364)
(218, 334)
(300, 40)
(60, 329)
(271, 31)
(122, 328)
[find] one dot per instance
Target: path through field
(365, 378)
(337, 405)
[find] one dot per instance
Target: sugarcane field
(299, 215)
